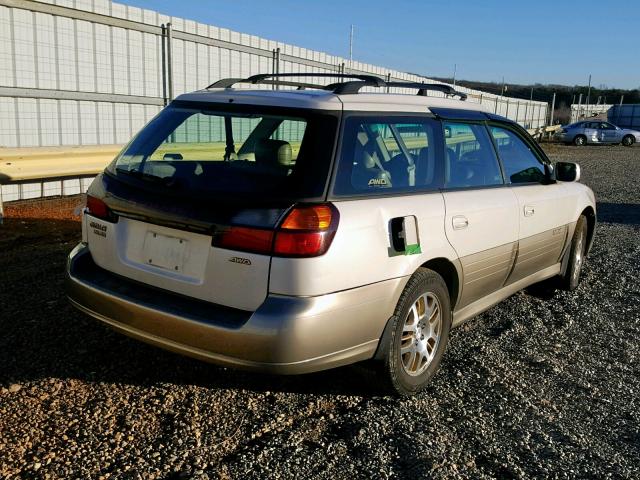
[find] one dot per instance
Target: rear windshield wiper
(147, 177)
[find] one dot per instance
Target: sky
(558, 42)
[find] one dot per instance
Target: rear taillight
(306, 231)
(98, 208)
(245, 239)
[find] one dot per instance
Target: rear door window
(244, 152)
(520, 163)
(470, 159)
(387, 154)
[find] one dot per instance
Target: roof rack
(339, 88)
(424, 87)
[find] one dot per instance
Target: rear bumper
(286, 335)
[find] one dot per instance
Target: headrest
(274, 152)
(362, 154)
(367, 160)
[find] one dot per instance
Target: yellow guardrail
(22, 164)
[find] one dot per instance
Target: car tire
(580, 140)
(628, 140)
(571, 277)
(419, 333)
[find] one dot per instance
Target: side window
(607, 126)
(389, 153)
(520, 163)
(414, 137)
(470, 160)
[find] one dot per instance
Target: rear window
(232, 151)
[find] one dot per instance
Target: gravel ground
(532, 388)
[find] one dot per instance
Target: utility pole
(553, 106)
(502, 89)
(351, 48)
(454, 74)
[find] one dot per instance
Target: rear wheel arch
(451, 276)
(628, 140)
(590, 214)
(448, 271)
(580, 139)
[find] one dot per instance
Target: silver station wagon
(292, 231)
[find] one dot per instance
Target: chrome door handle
(459, 222)
(529, 210)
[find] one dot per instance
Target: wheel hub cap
(421, 334)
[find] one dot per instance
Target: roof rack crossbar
(423, 88)
(340, 88)
(225, 83)
(262, 78)
(367, 78)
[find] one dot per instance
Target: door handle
(459, 222)
(529, 210)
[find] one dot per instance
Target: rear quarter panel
(361, 252)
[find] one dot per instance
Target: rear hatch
(192, 203)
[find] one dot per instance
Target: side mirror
(567, 172)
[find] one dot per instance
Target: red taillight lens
(97, 208)
(307, 231)
(245, 239)
(301, 244)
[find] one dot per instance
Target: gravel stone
(546, 384)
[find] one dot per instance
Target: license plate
(164, 252)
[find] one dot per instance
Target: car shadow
(623, 213)
(44, 337)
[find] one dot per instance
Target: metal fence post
(164, 64)
(533, 113)
(169, 63)
(278, 65)
(495, 110)
(526, 114)
(579, 107)
(273, 66)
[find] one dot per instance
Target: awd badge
(241, 260)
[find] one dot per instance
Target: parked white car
(292, 231)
